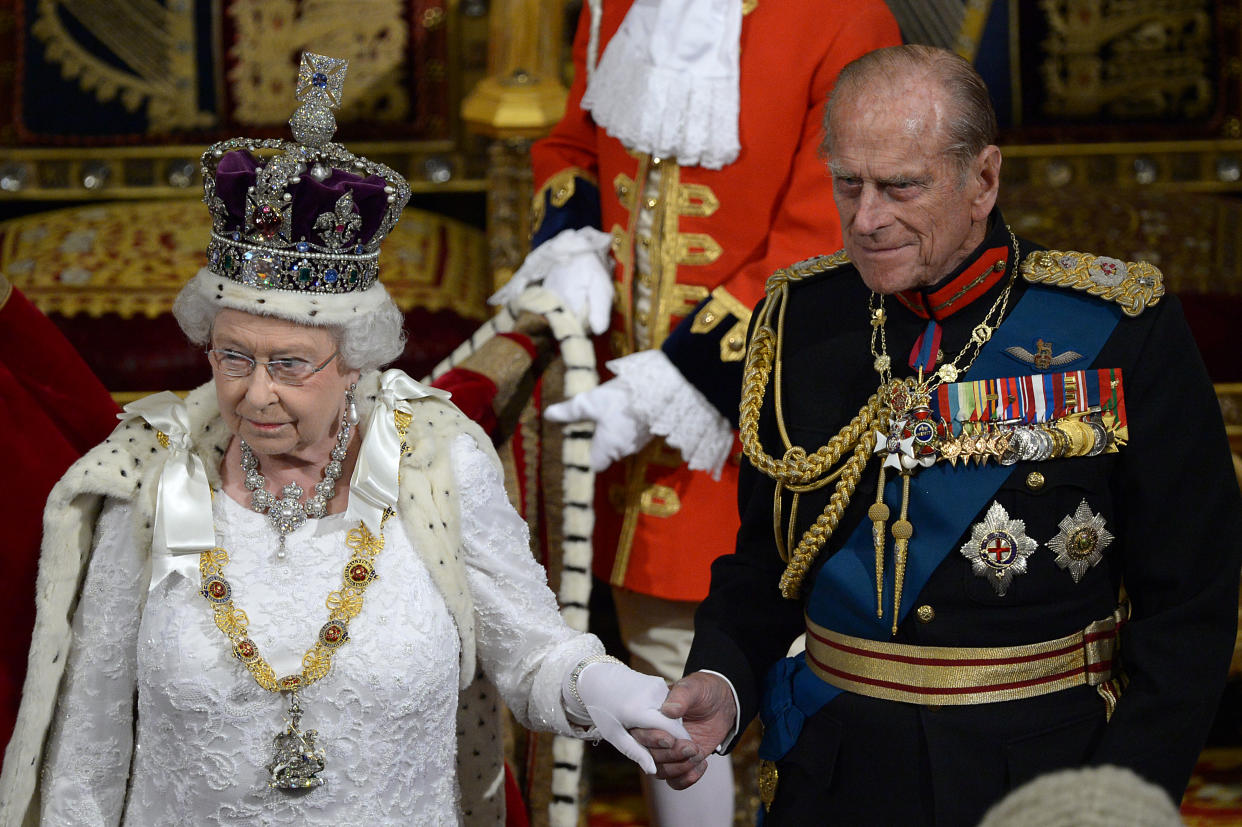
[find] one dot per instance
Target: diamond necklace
(288, 513)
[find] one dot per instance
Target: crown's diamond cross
(321, 79)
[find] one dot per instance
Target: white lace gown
(386, 713)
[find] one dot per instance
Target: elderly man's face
(907, 217)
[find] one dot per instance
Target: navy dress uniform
(1003, 510)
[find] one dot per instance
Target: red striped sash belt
(947, 675)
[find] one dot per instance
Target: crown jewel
(306, 215)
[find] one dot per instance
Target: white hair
(369, 327)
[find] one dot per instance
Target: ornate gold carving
(1137, 60)
(697, 248)
(376, 44)
(159, 70)
(1132, 284)
(696, 200)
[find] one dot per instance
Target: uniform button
(926, 614)
(655, 162)
(652, 203)
(1034, 480)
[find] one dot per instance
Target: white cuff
(675, 409)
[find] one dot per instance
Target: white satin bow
(373, 487)
(183, 524)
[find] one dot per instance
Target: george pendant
(296, 757)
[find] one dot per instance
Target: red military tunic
(714, 234)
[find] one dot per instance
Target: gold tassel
(879, 514)
(903, 530)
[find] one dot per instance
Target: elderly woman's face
(275, 418)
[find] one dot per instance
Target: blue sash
(943, 500)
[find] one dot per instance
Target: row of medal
(1008, 444)
(920, 438)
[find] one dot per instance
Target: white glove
(616, 699)
(619, 430)
(649, 397)
(574, 264)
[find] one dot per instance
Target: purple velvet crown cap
(236, 174)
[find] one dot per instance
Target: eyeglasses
(283, 371)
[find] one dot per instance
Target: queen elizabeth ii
(228, 631)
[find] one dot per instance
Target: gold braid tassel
(796, 470)
(879, 514)
(826, 523)
(903, 530)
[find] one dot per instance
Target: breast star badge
(998, 548)
(1080, 543)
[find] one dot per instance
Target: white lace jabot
(667, 84)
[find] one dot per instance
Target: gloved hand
(619, 430)
(616, 699)
(575, 265)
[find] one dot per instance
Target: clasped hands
(673, 743)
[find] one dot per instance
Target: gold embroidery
(697, 200)
(724, 305)
(660, 501)
(376, 44)
(768, 776)
(1132, 284)
(159, 71)
(620, 250)
(560, 188)
(803, 269)
(748, 6)
(627, 192)
(686, 297)
(104, 259)
(6, 290)
(697, 248)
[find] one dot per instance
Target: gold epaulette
(1132, 284)
(804, 269)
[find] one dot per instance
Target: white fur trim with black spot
(578, 513)
(309, 308)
